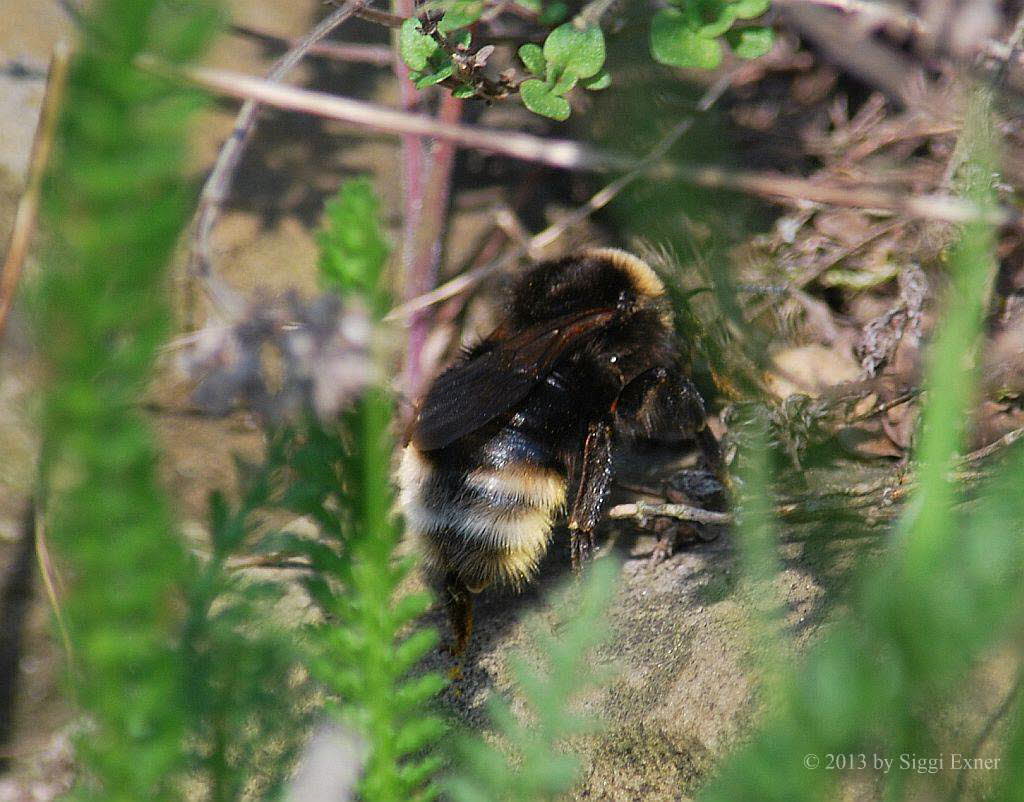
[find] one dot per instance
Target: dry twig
(569, 155)
(28, 205)
(339, 51)
(642, 510)
(1005, 441)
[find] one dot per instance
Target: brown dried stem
(1005, 441)
(339, 51)
(642, 510)
(569, 155)
(28, 206)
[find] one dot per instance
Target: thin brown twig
(561, 153)
(570, 155)
(28, 205)
(339, 51)
(910, 395)
(1005, 441)
(605, 195)
(52, 584)
(936, 206)
(218, 184)
(269, 561)
(642, 510)
(381, 17)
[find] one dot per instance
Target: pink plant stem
(413, 177)
(412, 148)
(427, 243)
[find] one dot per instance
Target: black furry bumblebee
(523, 425)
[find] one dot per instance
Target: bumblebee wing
(472, 393)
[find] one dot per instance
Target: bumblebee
(522, 427)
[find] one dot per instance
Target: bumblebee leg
(663, 400)
(459, 604)
(595, 474)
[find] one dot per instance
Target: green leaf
(717, 25)
(462, 38)
(415, 47)
(353, 245)
(565, 82)
(748, 9)
(570, 48)
(533, 58)
(596, 82)
(435, 77)
(676, 43)
(750, 42)
(540, 100)
(460, 14)
(464, 91)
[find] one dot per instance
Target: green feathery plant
(947, 591)
(240, 694)
(536, 765)
(114, 204)
(362, 653)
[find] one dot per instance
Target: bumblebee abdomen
(488, 523)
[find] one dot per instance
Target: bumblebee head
(596, 278)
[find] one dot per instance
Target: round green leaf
(748, 9)
(533, 57)
(460, 14)
(566, 81)
(415, 47)
(676, 43)
(600, 81)
(434, 77)
(750, 42)
(572, 49)
(539, 99)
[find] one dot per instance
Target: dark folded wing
(473, 393)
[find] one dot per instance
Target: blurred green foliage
(115, 201)
(945, 593)
(688, 32)
(353, 247)
(239, 686)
